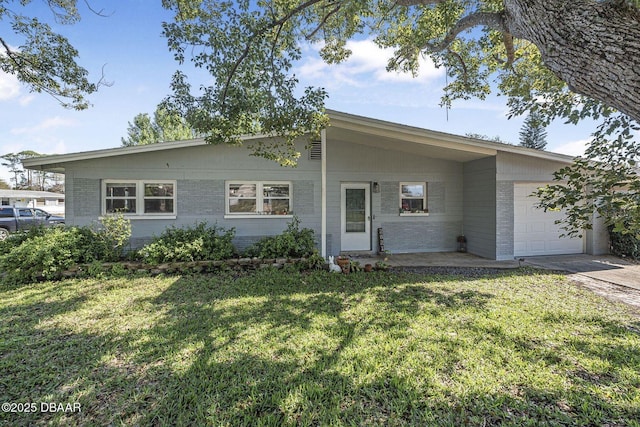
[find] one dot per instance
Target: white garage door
(535, 232)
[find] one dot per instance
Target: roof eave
(436, 138)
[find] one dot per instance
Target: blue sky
(129, 46)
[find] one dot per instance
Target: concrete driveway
(606, 268)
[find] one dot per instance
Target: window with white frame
(413, 198)
(138, 197)
(258, 198)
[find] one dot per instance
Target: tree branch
(492, 20)
(507, 39)
(418, 2)
(324, 20)
(258, 33)
(95, 11)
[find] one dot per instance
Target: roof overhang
(394, 136)
(342, 127)
(30, 194)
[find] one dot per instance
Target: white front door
(356, 217)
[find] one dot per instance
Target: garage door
(535, 232)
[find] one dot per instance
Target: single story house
(51, 202)
(368, 184)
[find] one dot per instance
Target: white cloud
(9, 86)
(26, 100)
(366, 64)
(47, 124)
(573, 148)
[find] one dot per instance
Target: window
(258, 198)
(413, 198)
(138, 198)
(25, 213)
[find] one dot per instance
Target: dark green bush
(291, 243)
(626, 245)
(15, 239)
(45, 253)
(189, 244)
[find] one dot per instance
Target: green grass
(287, 348)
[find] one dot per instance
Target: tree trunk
(593, 46)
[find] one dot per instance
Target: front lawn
(287, 348)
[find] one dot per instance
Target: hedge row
(53, 253)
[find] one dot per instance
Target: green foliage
(47, 252)
(624, 244)
(197, 243)
(533, 133)
(282, 348)
(46, 61)
(293, 242)
(165, 126)
(44, 253)
(34, 180)
(315, 262)
(602, 183)
(15, 239)
(486, 137)
(113, 233)
(249, 49)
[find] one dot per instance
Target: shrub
(114, 233)
(626, 245)
(190, 244)
(48, 252)
(291, 243)
(15, 239)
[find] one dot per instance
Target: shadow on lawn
(303, 377)
(298, 349)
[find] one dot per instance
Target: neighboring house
(422, 188)
(50, 202)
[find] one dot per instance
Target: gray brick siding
(303, 198)
(504, 219)
(200, 197)
(436, 197)
(86, 196)
(420, 236)
(389, 197)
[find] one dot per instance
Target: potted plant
(344, 263)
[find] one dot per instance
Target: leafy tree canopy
(41, 58)
(164, 126)
(250, 48)
(556, 58)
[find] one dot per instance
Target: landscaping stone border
(187, 266)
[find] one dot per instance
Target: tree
(4, 185)
(14, 163)
(533, 134)
(567, 59)
(486, 137)
(560, 59)
(165, 126)
(45, 61)
(25, 180)
(604, 182)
